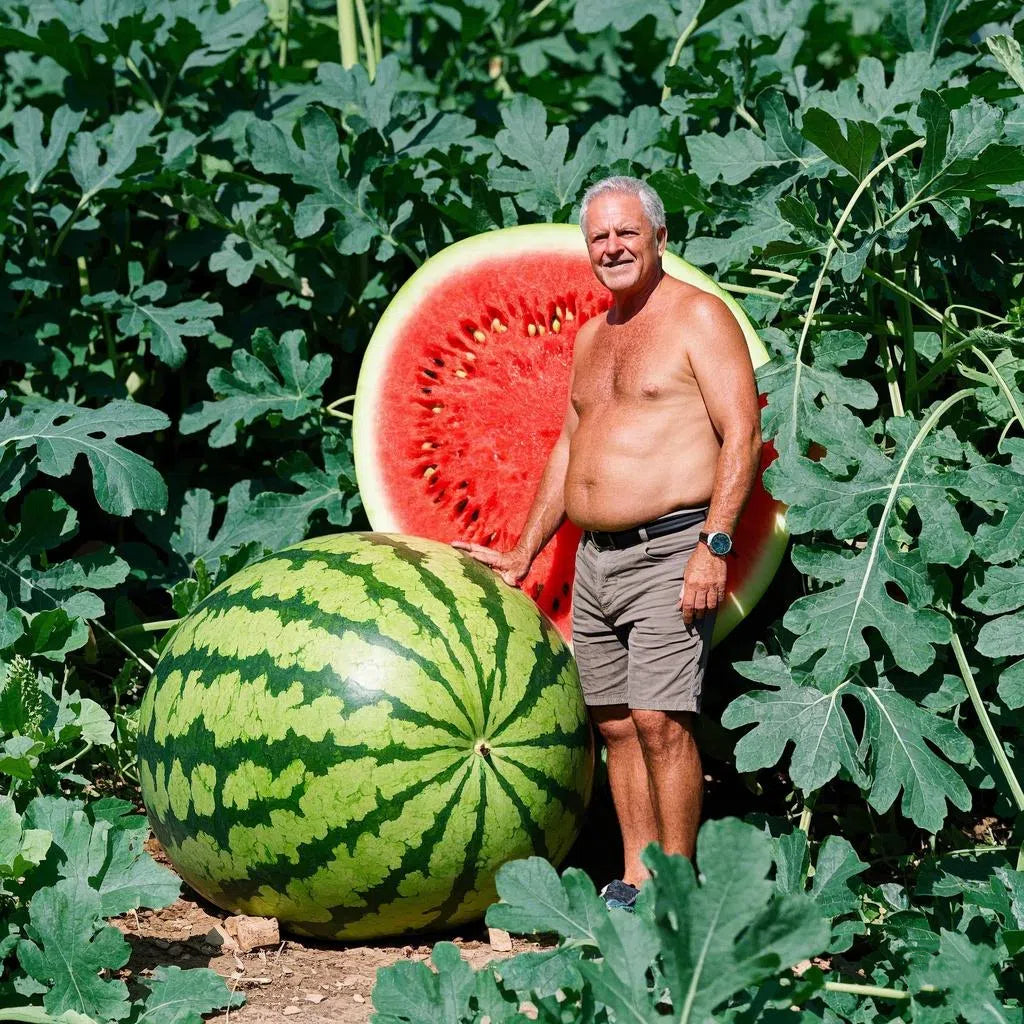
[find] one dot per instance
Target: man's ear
(662, 238)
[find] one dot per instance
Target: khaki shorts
(629, 639)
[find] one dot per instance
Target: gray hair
(654, 208)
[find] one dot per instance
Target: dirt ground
(300, 979)
(303, 980)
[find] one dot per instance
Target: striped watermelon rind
(762, 535)
(353, 734)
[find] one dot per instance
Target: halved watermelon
(462, 392)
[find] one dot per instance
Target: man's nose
(614, 243)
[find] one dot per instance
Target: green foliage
(712, 945)
(202, 216)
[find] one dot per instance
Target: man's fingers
(486, 555)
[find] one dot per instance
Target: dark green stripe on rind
(463, 891)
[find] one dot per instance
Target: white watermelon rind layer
(554, 239)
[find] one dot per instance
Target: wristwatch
(718, 542)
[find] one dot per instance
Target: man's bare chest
(622, 366)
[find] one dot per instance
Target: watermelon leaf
(68, 946)
(65, 589)
(534, 899)
(792, 409)
(548, 182)
(183, 997)
(896, 751)
(163, 327)
(59, 432)
(963, 971)
(99, 160)
(107, 855)
(274, 378)
(28, 155)
(20, 848)
(315, 166)
(708, 937)
(412, 992)
(729, 928)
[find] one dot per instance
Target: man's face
(625, 251)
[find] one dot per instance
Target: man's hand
(510, 565)
(703, 584)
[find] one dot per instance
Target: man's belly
(628, 470)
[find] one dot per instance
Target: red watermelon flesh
(463, 391)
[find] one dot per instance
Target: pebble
(290, 1011)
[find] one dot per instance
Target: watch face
(720, 543)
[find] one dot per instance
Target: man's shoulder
(589, 328)
(691, 297)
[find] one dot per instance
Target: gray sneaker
(619, 895)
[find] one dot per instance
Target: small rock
(501, 941)
(290, 1011)
(161, 944)
(174, 949)
(314, 997)
(252, 932)
(287, 970)
(219, 939)
(357, 998)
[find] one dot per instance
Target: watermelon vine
(205, 206)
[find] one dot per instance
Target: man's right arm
(547, 512)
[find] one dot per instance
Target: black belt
(604, 540)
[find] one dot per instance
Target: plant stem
(749, 118)
(981, 312)
(805, 815)
(912, 298)
(68, 224)
(986, 724)
(781, 275)
(71, 760)
(875, 991)
(367, 34)
(742, 289)
(134, 69)
(829, 251)
(677, 51)
(1015, 408)
(120, 643)
(282, 55)
(347, 33)
(890, 376)
(909, 349)
(142, 628)
(540, 8)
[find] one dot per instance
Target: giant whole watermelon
(353, 734)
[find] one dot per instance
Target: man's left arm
(721, 365)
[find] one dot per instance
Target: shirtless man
(658, 452)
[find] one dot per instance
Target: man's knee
(614, 723)
(664, 732)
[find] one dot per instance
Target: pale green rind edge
(549, 238)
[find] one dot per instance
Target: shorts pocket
(665, 548)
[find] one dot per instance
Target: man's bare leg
(631, 790)
(677, 779)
